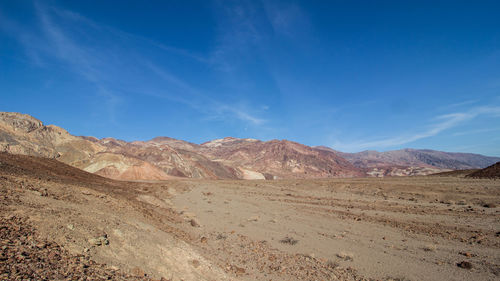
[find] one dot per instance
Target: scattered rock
(70, 227)
(429, 248)
(203, 239)
(238, 270)
(195, 263)
(465, 265)
(194, 222)
(467, 254)
(99, 241)
(27, 256)
(138, 272)
(254, 218)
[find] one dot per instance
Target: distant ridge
(164, 158)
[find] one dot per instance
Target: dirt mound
(491, 172)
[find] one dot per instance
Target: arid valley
(80, 226)
(252, 140)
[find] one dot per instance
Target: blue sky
(352, 75)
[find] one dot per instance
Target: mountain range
(165, 158)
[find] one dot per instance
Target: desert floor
(412, 228)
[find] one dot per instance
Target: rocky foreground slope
(165, 158)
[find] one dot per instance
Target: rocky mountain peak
(20, 122)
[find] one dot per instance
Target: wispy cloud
(70, 39)
(478, 131)
(239, 31)
(240, 113)
(440, 123)
(459, 104)
(80, 60)
(286, 19)
(196, 99)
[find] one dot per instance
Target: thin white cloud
(459, 104)
(197, 100)
(478, 131)
(80, 60)
(103, 65)
(241, 114)
(285, 19)
(441, 123)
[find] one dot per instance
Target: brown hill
(163, 158)
(117, 159)
(279, 159)
(491, 172)
(174, 161)
(23, 134)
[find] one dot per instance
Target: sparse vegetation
(331, 264)
(289, 240)
(221, 236)
(345, 256)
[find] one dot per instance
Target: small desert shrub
(289, 240)
(221, 236)
(345, 256)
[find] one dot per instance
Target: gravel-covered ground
(60, 223)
